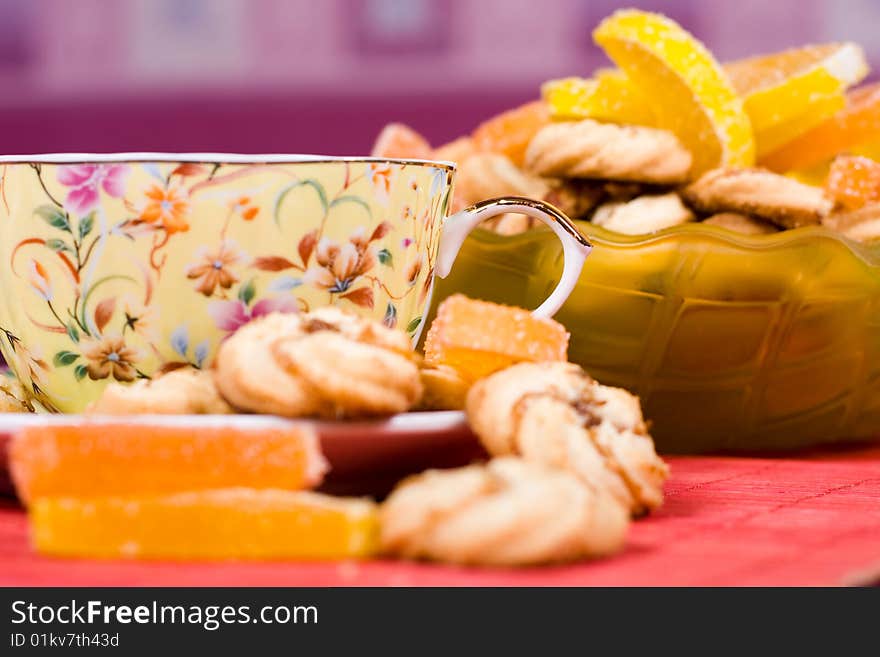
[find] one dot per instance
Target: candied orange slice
(782, 86)
(856, 124)
(477, 338)
(690, 93)
(853, 181)
(233, 523)
(402, 142)
(510, 132)
(98, 458)
(817, 174)
(607, 96)
(773, 137)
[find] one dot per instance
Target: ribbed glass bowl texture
(732, 342)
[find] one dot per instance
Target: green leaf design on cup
(64, 358)
(72, 333)
(57, 244)
(385, 257)
(310, 182)
(247, 292)
(350, 198)
(80, 372)
(86, 224)
(53, 216)
(390, 319)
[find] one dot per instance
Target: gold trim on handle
(558, 215)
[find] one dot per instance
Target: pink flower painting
(232, 315)
(86, 181)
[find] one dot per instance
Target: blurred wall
(324, 76)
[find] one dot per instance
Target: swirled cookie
(179, 392)
(589, 149)
(325, 363)
(250, 378)
(770, 196)
(555, 414)
(507, 512)
(644, 214)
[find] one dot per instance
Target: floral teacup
(116, 267)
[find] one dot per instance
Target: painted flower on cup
(245, 206)
(232, 315)
(413, 268)
(139, 318)
(214, 269)
(351, 245)
(338, 266)
(38, 277)
(86, 181)
(167, 208)
(110, 357)
(381, 175)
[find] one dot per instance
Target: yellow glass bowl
(731, 341)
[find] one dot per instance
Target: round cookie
(354, 378)
(643, 214)
(607, 151)
(555, 414)
(507, 512)
(326, 363)
(249, 377)
(778, 199)
(180, 392)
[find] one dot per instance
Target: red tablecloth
(811, 520)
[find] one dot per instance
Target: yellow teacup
(118, 266)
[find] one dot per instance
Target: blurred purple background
(324, 76)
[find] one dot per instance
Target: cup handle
(575, 247)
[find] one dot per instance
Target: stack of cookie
(628, 179)
(570, 460)
(682, 132)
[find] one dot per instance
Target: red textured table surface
(811, 520)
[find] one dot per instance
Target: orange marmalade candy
(510, 132)
(477, 338)
(98, 458)
(853, 181)
(233, 523)
(855, 124)
(400, 141)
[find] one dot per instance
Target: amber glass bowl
(732, 342)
